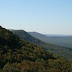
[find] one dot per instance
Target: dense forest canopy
(18, 55)
(63, 51)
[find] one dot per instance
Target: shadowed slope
(21, 56)
(66, 52)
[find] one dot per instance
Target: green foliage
(65, 52)
(21, 56)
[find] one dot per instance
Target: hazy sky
(44, 16)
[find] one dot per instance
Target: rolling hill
(65, 52)
(18, 55)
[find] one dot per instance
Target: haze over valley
(60, 40)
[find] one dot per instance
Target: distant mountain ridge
(18, 55)
(66, 52)
(58, 35)
(65, 41)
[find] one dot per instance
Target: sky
(43, 16)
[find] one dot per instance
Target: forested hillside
(65, 52)
(21, 56)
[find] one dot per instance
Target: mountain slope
(22, 56)
(65, 41)
(66, 52)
